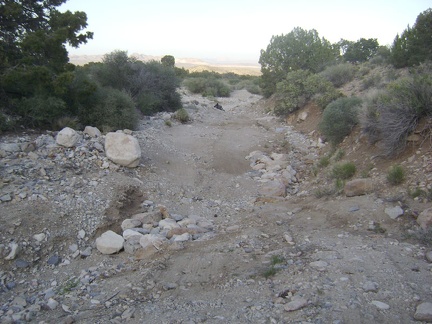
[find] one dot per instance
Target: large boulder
(123, 149)
(109, 243)
(425, 219)
(67, 137)
(358, 187)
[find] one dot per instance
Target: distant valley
(191, 64)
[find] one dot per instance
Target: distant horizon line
(183, 60)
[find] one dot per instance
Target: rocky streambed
(216, 223)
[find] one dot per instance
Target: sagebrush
(393, 114)
(339, 118)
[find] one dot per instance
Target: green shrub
(6, 122)
(363, 70)
(339, 74)
(154, 88)
(420, 193)
(339, 185)
(396, 175)
(365, 173)
(370, 115)
(299, 49)
(113, 110)
(417, 192)
(207, 86)
(338, 119)
(324, 192)
(324, 161)
(370, 81)
(277, 259)
(251, 85)
(344, 171)
(41, 111)
(340, 153)
(392, 115)
(182, 116)
(298, 88)
(67, 121)
(152, 85)
(270, 272)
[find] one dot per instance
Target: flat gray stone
(380, 304)
(424, 312)
(295, 304)
(394, 212)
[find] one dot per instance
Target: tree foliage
(151, 85)
(298, 50)
(34, 69)
(414, 45)
(168, 60)
(299, 87)
(360, 51)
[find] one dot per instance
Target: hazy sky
(234, 29)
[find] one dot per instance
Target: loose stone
(295, 304)
(380, 304)
(424, 312)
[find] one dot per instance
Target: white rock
(52, 303)
(295, 304)
(130, 223)
(428, 256)
(152, 240)
(14, 251)
(128, 233)
(302, 116)
(168, 224)
(288, 238)
(122, 149)
(67, 137)
(39, 237)
(380, 305)
(182, 238)
(166, 116)
(319, 265)
(81, 234)
(132, 244)
(187, 221)
(394, 212)
(370, 286)
(109, 243)
(10, 147)
(92, 131)
(425, 219)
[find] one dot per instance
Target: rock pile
(29, 164)
(274, 172)
(146, 233)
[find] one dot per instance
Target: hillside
(369, 160)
